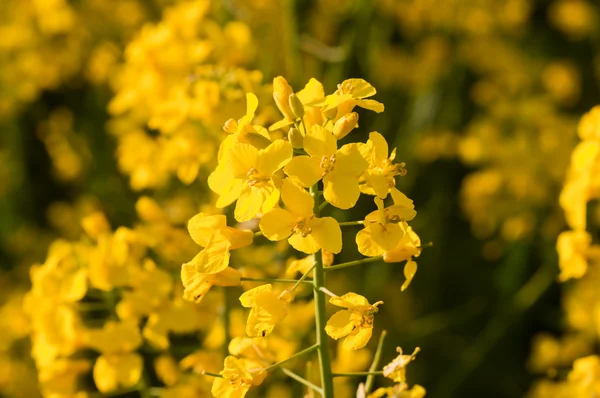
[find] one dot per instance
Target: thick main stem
(321, 318)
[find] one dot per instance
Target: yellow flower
(380, 176)
(238, 376)
(306, 233)
(311, 93)
(339, 169)
(196, 284)
(243, 131)
(396, 370)
(382, 230)
(355, 323)
(351, 93)
(118, 367)
(246, 174)
(397, 391)
(267, 310)
(572, 247)
(212, 233)
(408, 247)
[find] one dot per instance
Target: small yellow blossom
(380, 176)
(396, 370)
(383, 231)
(355, 323)
(306, 232)
(351, 93)
(238, 376)
(339, 169)
(247, 174)
(267, 309)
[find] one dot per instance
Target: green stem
(257, 234)
(274, 280)
(323, 205)
(358, 374)
(353, 263)
(302, 380)
(296, 355)
(303, 277)
(375, 363)
(348, 223)
(205, 373)
(320, 315)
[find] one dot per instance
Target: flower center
(302, 226)
(255, 177)
(327, 164)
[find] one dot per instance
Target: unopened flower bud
(345, 124)
(95, 225)
(230, 126)
(296, 106)
(295, 137)
(281, 94)
(257, 140)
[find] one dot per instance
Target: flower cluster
(267, 178)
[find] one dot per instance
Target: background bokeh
(482, 102)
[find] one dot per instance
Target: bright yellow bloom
(408, 247)
(351, 93)
(197, 284)
(247, 174)
(397, 391)
(396, 370)
(118, 367)
(306, 232)
(339, 169)
(383, 231)
(380, 176)
(311, 93)
(212, 233)
(572, 259)
(238, 376)
(355, 323)
(267, 310)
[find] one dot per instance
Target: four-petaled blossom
(382, 230)
(247, 174)
(351, 93)
(396, 370)
(339, 169)
(267, 310)
(238, 376)
(355, 323)
(212, 233)
(379, 178)
(306, 232)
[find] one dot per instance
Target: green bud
(296, 105)
(295, 137)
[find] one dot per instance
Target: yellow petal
(357, 88)
(340, 190)
(410, 269)
(251, 104)
(349, 161)
(296, 199)
(320, 142)
(339, 325)
(327, 233)
(305, 244)
(386, 236)
(280, 124)
(313, 91)
(118, 371)
(247, 298)
(358, 338)
(371, 105)
(267, 311)
(223, 388)
(304, 170)
(202, 226)
(367, 245)
(242, 158)
(274, 157)
(249, 203)
(277, 224)
(350, 300)
(377, 182)
(196, 285)
(380, 147)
